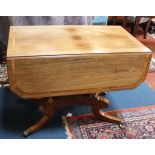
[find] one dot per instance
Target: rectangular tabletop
(64, 40)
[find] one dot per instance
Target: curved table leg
(49, 106)
(48, 111)
(102, 104)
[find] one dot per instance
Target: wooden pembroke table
(65, 65)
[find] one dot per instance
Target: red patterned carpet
(138, 123)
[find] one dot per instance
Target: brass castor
(121, 126)
(25, 134)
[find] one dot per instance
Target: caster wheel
(25, 134)
(121, 126)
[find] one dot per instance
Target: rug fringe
(65, 124)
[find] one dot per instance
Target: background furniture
(137, 22)
(134, 22)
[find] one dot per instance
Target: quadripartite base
(48, 107)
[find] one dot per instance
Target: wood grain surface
(48, 61)
(58, 40)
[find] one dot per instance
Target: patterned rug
(138, 123)
(3, 76)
